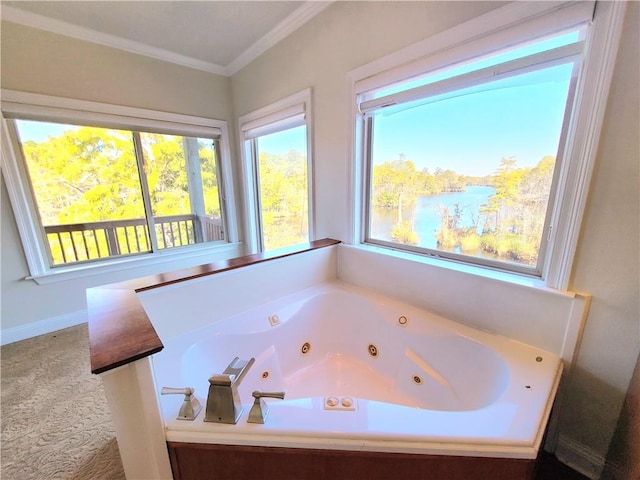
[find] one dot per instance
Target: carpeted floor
(55, 419)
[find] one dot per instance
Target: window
(469, 153)
(276, 145)
(463, 166)
(94, 186)
(97, 194)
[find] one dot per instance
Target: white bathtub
(434, 385)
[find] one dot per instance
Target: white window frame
(294, 110)
(28, 106)
(514, 23)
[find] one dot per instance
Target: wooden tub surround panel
(120, 331)
(194, 461)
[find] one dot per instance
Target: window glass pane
(494, 59)
(470, 172)
(87, 190)
(91, 185)
(282, 178)
(183, 189)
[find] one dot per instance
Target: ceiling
(215, 36)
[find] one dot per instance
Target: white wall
(41, 62)
(350, 34)
(608, 262)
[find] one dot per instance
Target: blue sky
(277, 143)
(40, 131)
(520, 117)
(281, 142)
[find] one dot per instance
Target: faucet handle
(190, 407)
(257, 394)
(177, 391)
(260, 408)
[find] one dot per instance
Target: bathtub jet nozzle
(223, 401)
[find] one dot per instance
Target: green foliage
(85, 175)
(402, 232)
(88, 175)
(516, 211)
(470, 242)
(398, 184)
(515, 214)
(446, 238)
(512, 219)
(284, 198)
(447, 235)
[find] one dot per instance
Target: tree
(88, 175)
(85, 175)
(515, 212)
(518, 208)
(395, 184)
(283, 198)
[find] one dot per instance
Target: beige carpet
(55, 419)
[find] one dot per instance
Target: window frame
(289, 112)
(563, 55)
(28, 106)
(511, 24)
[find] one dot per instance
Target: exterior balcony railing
(80, 242)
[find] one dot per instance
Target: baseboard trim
(41, 327)
(579, 457)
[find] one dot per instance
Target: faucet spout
(223, 401)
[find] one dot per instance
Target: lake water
(425, 218)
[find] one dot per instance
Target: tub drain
(373, 350)
(417, 379)
(306, 347)
(265, 374)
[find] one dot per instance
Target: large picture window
(474, 147)
(463, 164)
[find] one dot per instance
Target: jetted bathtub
(364, 372)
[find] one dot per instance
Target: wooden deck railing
(88, 241)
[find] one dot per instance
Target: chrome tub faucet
(223, 401)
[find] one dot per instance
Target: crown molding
(41, 22)
(295, 20)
